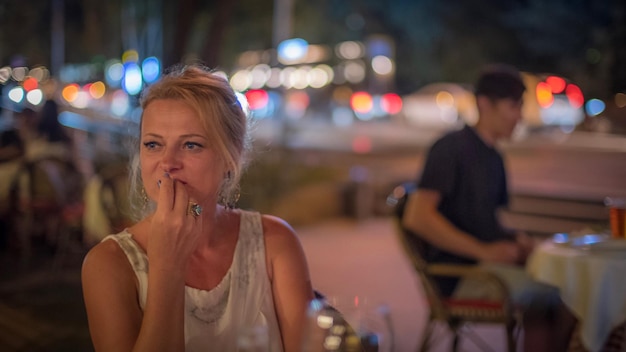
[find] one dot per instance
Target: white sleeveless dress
(242, 300)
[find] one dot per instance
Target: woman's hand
(174, 231)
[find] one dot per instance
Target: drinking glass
(617, 209)
(347, 324)
(253, 339)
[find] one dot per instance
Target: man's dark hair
(500, 82)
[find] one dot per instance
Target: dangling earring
(144, 198)
(229, 200)
(231, 203)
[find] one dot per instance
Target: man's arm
(422, 217)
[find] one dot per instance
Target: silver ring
(195, 209)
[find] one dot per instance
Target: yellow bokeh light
(70, 92)
(97, 90)
(544, 94)
(130, 56)
(444, 99)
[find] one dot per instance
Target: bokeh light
(132, 82)
(595, 107)
(30, 84)
(257, 99)
(574, 95)
(5, 74)
(69, 92)
(150, 69)
(382, 65)
(544, 95)
(349, 50)
(16, 94)
(292, 50)
(557, 84)
(97, 90)
(113, 73)
(35, 96)
(361, 102)
(241, 80)
(391, 103)
(119, 103)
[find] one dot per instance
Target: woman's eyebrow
(189, 135)
(193, 135)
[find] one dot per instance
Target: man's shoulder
(453, 139)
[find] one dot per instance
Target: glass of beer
(617, 216)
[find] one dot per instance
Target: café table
(591, 275)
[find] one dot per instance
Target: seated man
(454, 209)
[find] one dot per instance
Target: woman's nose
(170, 160)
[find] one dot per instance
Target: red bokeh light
(391, 103)
(257, 99)
(556, 83)
(30, 84)
(574, 95)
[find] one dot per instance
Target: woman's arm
(110, 294)
(291, 283)
(116, 321)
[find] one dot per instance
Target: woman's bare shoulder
(274, 226)
(106, 256)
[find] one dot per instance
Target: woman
(214, 271)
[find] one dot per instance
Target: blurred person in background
(50, 139)
(214, 271)
(12, 151)
(454, 209)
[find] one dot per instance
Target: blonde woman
(194, 273)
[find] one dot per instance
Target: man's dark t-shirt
(471, 179)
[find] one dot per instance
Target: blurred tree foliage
(434, 40)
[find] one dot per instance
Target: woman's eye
(150, 145)
(192, 145)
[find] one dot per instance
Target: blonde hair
(222, 117)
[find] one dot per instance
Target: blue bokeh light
(151, 69)
(595, 107)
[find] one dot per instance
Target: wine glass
(253, 339)
(348, 324)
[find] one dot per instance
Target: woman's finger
(166, 193)
(181, 198)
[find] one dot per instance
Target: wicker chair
(457, 314)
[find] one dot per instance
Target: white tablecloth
(592, 284)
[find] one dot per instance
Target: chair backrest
(48, 185)
(414, 246)
(114, 196)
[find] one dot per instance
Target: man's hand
(506, 252)
(526, 243)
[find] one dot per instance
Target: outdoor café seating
(458, 315)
